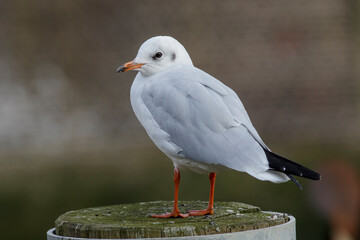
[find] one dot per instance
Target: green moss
(134, 221)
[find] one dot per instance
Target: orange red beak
(129, 66)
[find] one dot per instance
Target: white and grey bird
(199, 122)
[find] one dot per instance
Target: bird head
(156, 55)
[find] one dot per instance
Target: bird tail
(288, 167)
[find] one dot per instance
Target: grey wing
(206, 120)
(237, 109)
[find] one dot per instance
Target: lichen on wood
(134, 221)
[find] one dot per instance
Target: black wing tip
(281, 164)
(308, 173)
(316, 176)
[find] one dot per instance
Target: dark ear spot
(173, 56)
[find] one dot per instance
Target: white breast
(157, 135)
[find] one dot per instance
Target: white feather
(196, 120)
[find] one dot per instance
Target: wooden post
(132, 221)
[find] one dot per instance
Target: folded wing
(207, 120)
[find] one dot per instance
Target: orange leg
(210, 209)
(175, 212)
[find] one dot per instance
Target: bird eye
(158, 55)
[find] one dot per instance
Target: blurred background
(69, 138)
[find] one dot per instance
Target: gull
(199, 122)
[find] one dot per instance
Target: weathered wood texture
(133, 221)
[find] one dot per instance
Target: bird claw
(201, 212)
(171, 215)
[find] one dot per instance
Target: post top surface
(133, 221)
